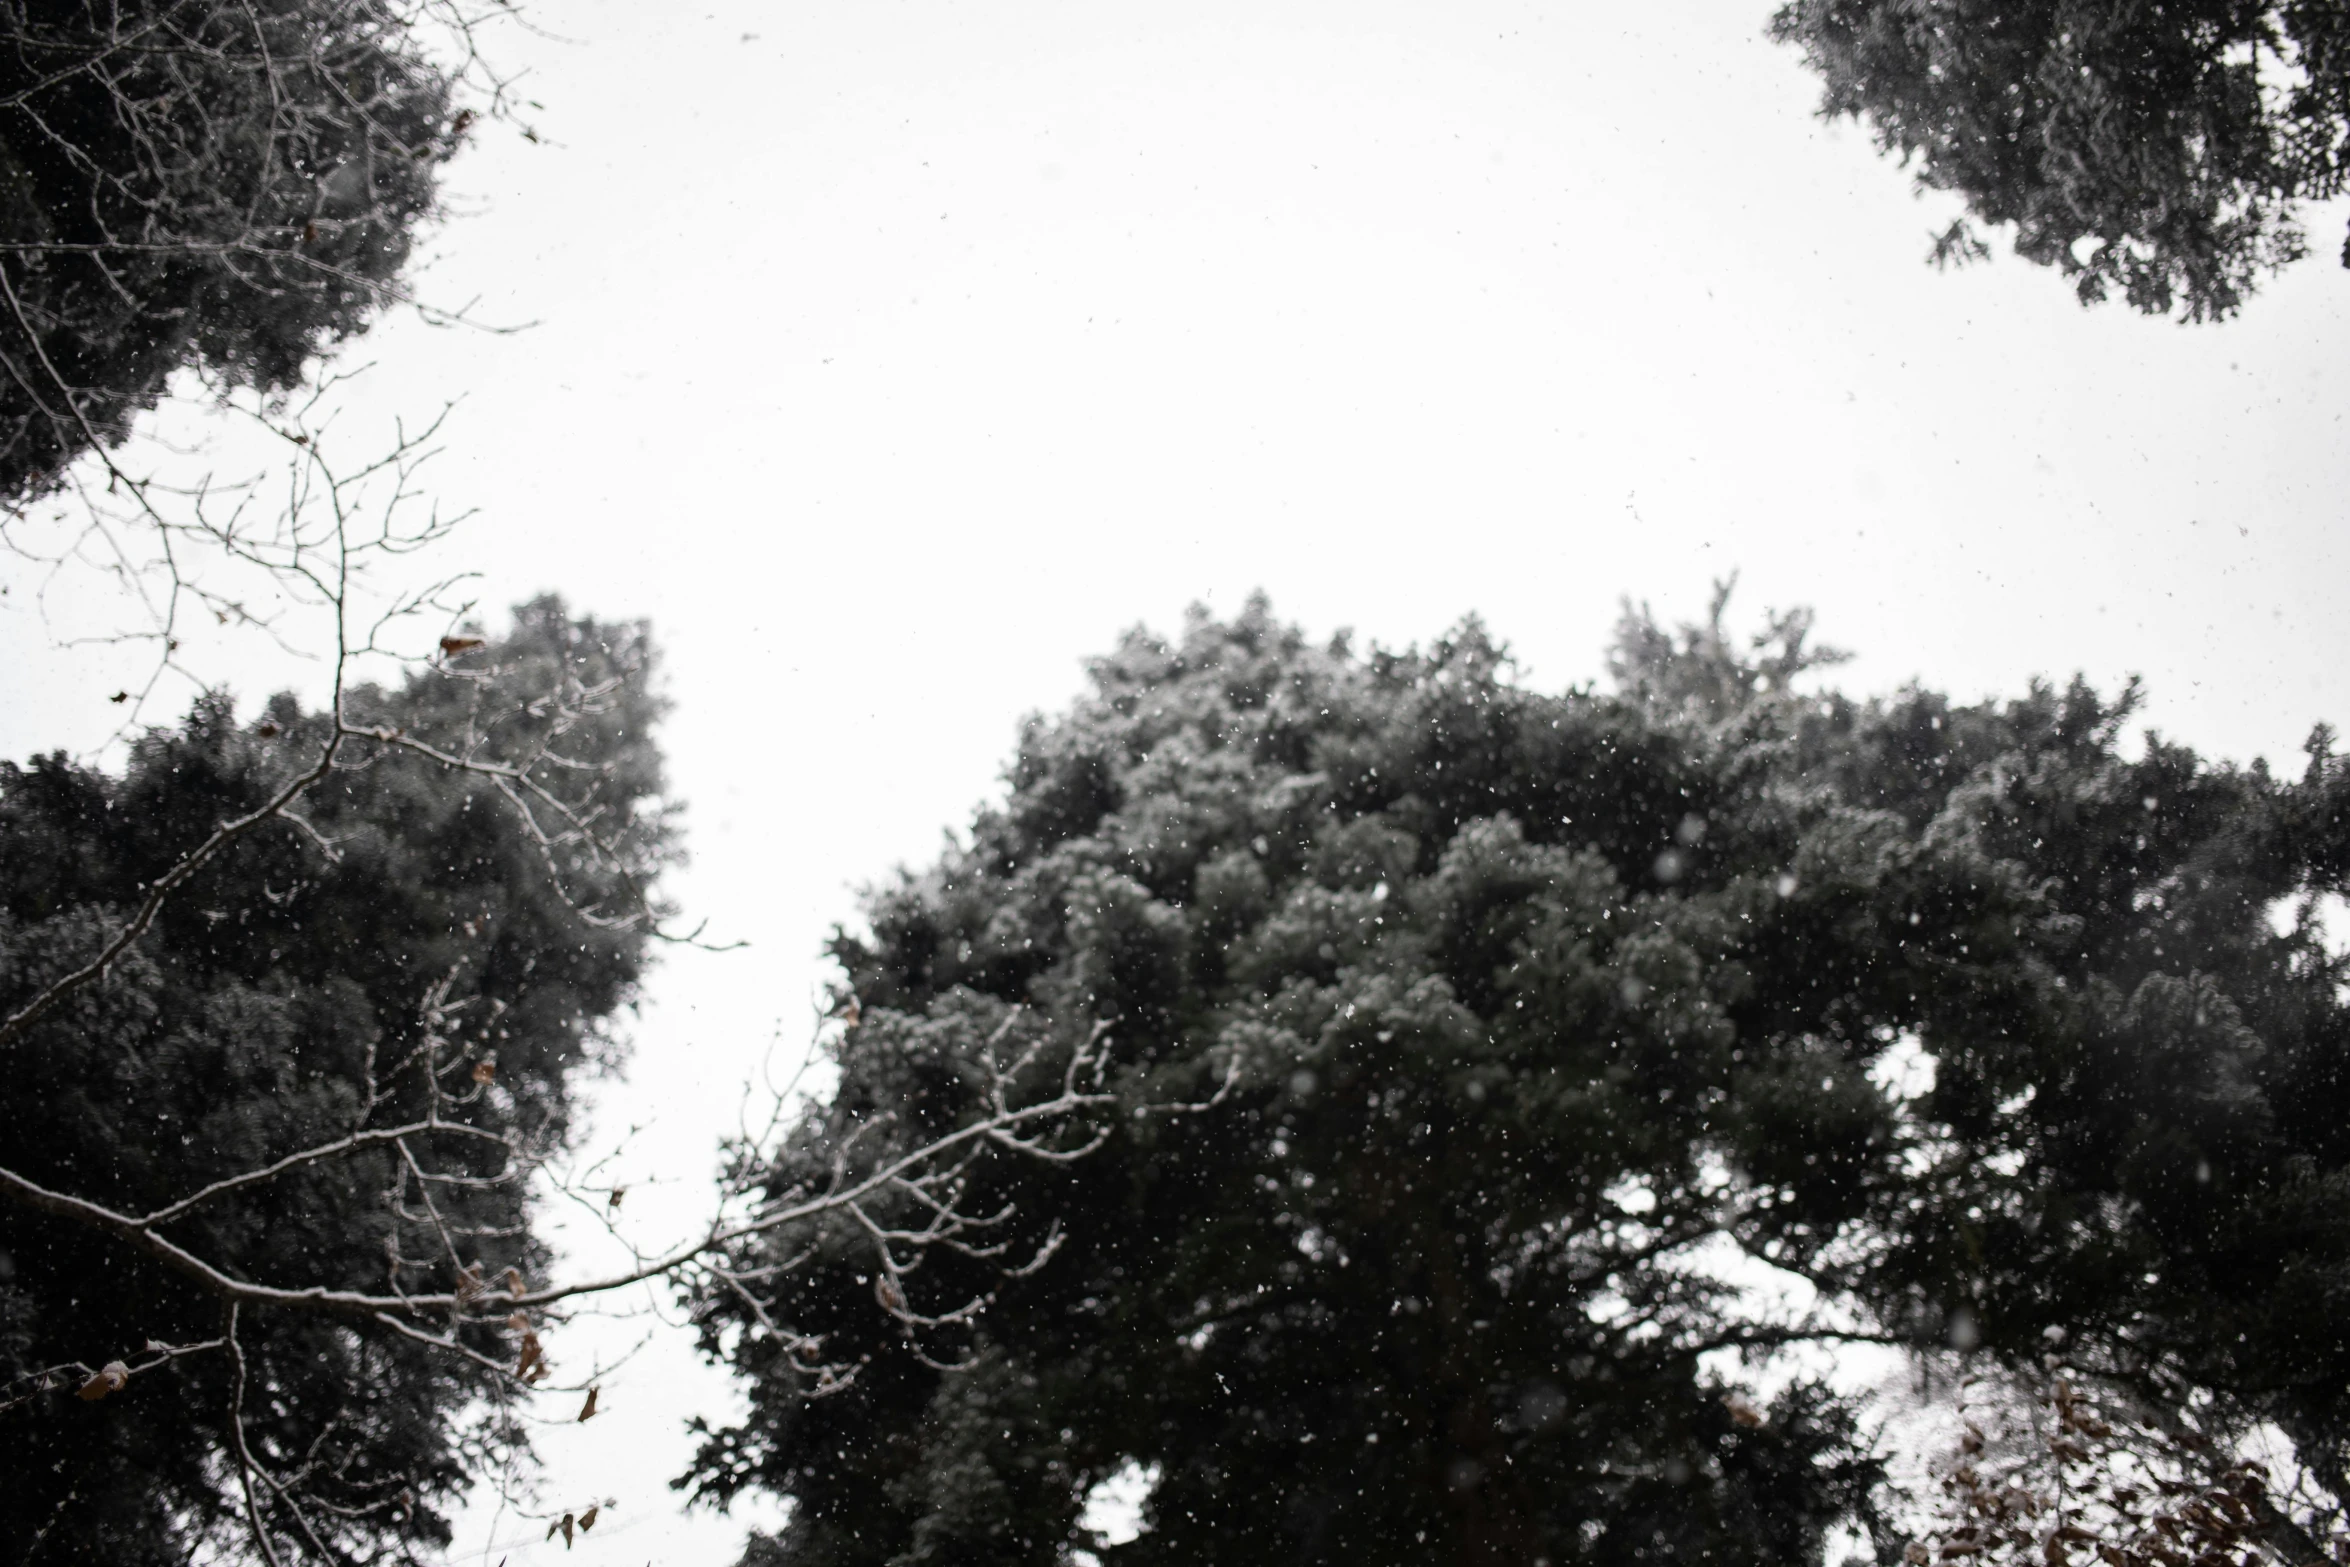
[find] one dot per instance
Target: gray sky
(893, 358)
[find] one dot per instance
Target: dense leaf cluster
(1555, 1018)
(2155, 149)
(276, 1005)
(193, 184)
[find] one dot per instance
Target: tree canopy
(2158, 150)
(403, 948)
(1549, 1019)
(194, 184)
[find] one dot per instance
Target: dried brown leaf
(109, 1378)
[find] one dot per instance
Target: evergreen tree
(2158, 150)
(407, 945)
(193, 184)
(1537, 1010)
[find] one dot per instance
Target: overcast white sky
(894, 357)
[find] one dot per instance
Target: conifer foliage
(2158, 150)
(1538, 1012)
(192, 184)
(402, 949)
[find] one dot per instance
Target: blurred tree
(404, 948)
(201, 185)
(2138, 1488)
(1542, 1012)
(2158, 149)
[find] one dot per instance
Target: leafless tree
(229, 187)
(2057, 1468)
(222, 189)
(339, 546)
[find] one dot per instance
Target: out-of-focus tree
(2063, 1473)
(227, 188)
(2160, 150)
(1538, 1012)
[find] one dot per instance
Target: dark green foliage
(1537, 1002)
(193, 184)
(2157, 149)
(248, 1024)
